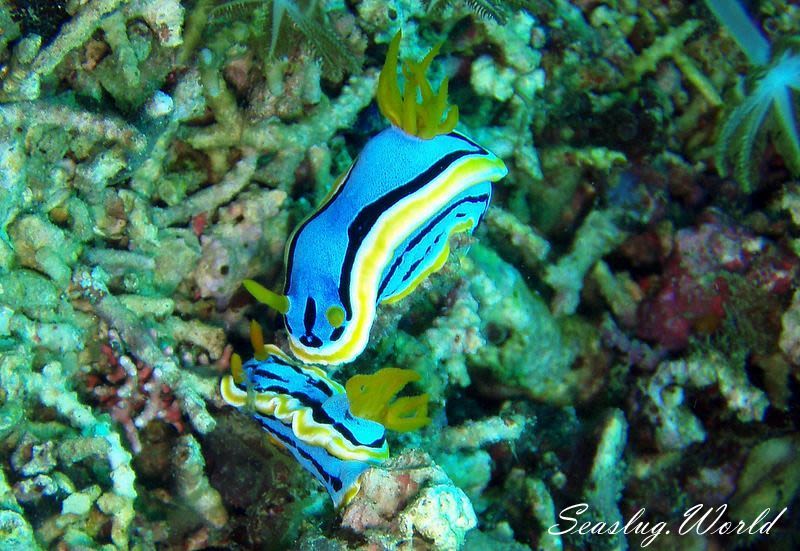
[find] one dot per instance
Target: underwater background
(617, 343)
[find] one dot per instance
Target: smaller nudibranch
(308, 413)
(384, 226)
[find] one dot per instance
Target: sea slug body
(308, 414)
(385, 224)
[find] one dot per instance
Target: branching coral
(24, 83)
(15, 532)
(509, 82)
(51, 388)
(35, 67)
(597, 236)
(676, 426)
(193, 485)
(190, 389)
(462, 451)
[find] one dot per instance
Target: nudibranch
(384, 226)
(308, 413)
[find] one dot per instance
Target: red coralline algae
(691, 295)
(681, 307)
(199, 223)
(133, 397)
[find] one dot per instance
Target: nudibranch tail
(308, 413)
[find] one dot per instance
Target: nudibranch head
(385, 224)
(309, 414)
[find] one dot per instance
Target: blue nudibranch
(384, 227)
(307, 413)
